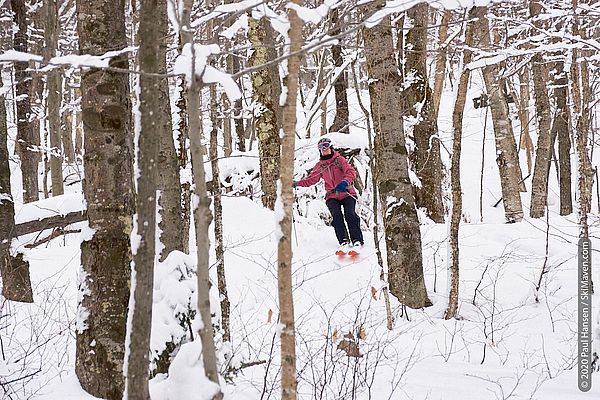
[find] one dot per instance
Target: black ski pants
(352, 219)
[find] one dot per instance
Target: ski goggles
(324, 145)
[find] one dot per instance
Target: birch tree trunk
(539, 185)
(27, 137)
(457, 118)
(150, 59)
(266, 89)
(506, 147)
(341, 121)
(426, 155)
(108, 190)
(202, 213)
(401, 224)
(16, 284)
(440, 61)
(172, 235)
(289, 381)
(54, 83)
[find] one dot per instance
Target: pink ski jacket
(332, 172)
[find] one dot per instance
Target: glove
(342, 186)
(294, 183)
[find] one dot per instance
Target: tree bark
(457, 119)
(524, 116)
(539, 185)
(53, 101)
(218, 211)
(289, 381)
(506, 147)
(266, 89)
(151, 58)
(16, 284)
(108, 190)
(440, 61)
(426, 155)
(341, 121)
(168, 179)
(66, 116)
(401, 224)
(202, 214)
(561, 125)
(27, 137)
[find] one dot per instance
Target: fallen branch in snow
(56, 221)
(56, 233)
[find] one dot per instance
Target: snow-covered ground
(506, 344)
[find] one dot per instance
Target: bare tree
(506, 148)
(54, 83)
(539, 185)
(266, 89)
(16, 284)
(289, 381)
(341, 121)
(150, 60)
(202, 213)
(457, 119)
(401, 224)
(419, 104)
(108, 190)
(27, 137)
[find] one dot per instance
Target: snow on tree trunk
(108, 190)
(285, 201)
(401, 224)
(152, 127)
(506, 147)
(426, 155)
(201, 208)
(266, 89)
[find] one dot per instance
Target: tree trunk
(218, 210)
(401, 224)
(54, 83)
(457, 120)
(539, 185)
(426, 155)
(108, 190)
(151, 58)
(506, 147)
(26, 135)
(266, 89)
(440, 61)
(202, 214)
(168, 179)
(581, 103)
(341, 122)
(561, 125)
(524, 115)
(289, 381)
(67, 123)
(16, 284)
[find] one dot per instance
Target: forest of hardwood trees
(137, 103)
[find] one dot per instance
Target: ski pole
(294, 220)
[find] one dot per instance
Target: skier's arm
(312, 178)
(348, 170)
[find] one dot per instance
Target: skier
(338, 175)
